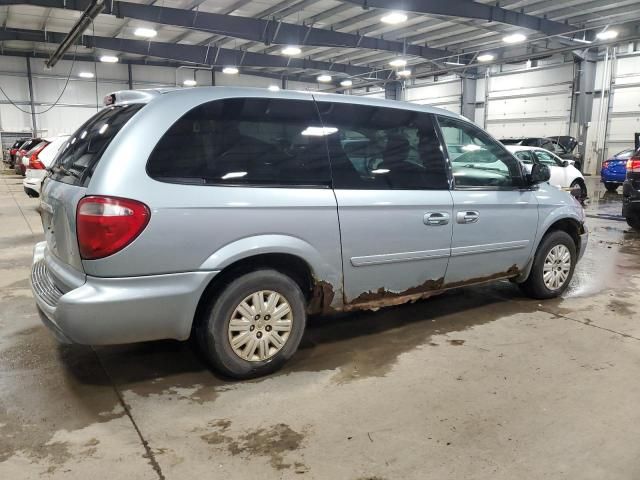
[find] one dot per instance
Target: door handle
(467, 217)
(435, 219)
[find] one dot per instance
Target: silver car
(231, 214)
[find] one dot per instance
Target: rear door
(394, 205)
(70, 176)
(494, 218)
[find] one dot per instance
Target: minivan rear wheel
(254, 325)
(553, 266)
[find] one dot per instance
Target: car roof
(124, 97)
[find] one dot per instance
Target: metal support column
(130, 72)
(284, 82)
(393, 91)
(34, 125)
(584, 104)
(468, 107)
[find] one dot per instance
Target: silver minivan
(231, 214)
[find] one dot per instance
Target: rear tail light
(633, 165)
(605, 164)
(34, 163)
(105, 225)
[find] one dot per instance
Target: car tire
(536, 285)
(215, 332)
(611, 187)
(633, 220)
(583, 187)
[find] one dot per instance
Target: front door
(494, 218)
(394, 205)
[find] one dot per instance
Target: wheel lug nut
(259, 334)
(268, 328)
(267, 317)
(257, 317)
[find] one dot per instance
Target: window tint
(546, 158)
(81, 153)
(476, 159)
(257, 141)
(525, 155)
(382, 148)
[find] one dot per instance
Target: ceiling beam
(267, 31)
(196, 54)
(469, 9)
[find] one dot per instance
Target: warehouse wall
(614, 130)
(444, 93)
(83, 96)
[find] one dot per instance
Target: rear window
(80, 155)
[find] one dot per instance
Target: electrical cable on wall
(54, 104)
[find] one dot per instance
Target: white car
(37, 170)
(564, 174)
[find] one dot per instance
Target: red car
(11, 151)
(21, 152)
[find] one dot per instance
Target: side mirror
(565, 163)
(539, 174)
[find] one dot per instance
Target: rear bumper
(108, 311)
(630, 199)
(32, 182)
(610, 177)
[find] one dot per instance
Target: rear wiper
(67, 172)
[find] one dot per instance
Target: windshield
(81, 153)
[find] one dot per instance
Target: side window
(244, 141)
(525, 156)
(382, 148)
(546, 158)
(476, 159)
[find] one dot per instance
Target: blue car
(614, 170)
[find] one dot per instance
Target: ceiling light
(404, 73)
(398, 62)
(393, 18)
(86, 75)
(458, 64)
(229, 175)
(324, 78)
(145, 32)
(485, 57)
(189, 83)
(274, 88)
(318, 131)
(514, 38)
(607, 35)
(109, 59)
(230, 70)
(291, 50)
(346, 83)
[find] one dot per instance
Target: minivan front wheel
(254, 325)
(553, 266)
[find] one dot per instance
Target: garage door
(445, 94)
(532, 103)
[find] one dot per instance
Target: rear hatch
(68, 180)
(567, 142)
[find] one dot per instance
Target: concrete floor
(478, 383)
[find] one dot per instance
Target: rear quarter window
(81, 153)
